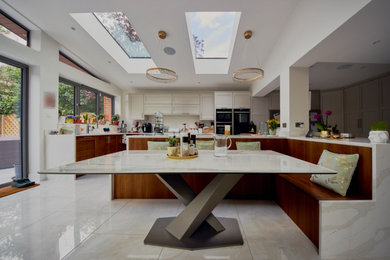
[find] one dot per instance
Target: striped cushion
(248, 146)
(205, 145)
(157, 145)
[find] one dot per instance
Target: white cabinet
(333, 100)
(259, 110)
(136, 107)
(164, 108)
(241, 100)
(223, 99)
(274, 100)
(185, 99)
(185, 109)
(158, 99)
(207, 110)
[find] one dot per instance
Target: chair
(252, 146)
(157, 145)
(205, 145)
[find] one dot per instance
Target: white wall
(44, 71)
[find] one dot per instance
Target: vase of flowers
(69, 119)
(379, 133)
(101, 119)
(322, 126)
(272, 126)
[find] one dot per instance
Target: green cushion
(343, 164)
(157, 145)
(248, 146)
(205, 145)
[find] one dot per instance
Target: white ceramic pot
(272, 132)
(172, 151)
(378, 137)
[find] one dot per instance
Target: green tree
(65, 99)
(10, 86)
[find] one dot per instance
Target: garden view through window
(10, 122)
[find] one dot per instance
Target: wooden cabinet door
(241, 100)
(207, 109)
(85, 148)
(100, 145)
(137, 107)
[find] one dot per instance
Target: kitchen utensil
(220, 145)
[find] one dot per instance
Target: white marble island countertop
(156, 162)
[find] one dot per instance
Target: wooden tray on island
(182, 158)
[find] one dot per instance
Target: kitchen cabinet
(333, 100)
(315, 100)
(136, 107)
(92, 146)
(207, 109)
(166, 109)
(185, 99)
(223, 99)
(259, 110)
(156, 99)
(241, 100)
(185, 110)
(370, 103)
(274, 100)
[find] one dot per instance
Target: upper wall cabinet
(223, 99)
(241, 100)
(136, 107)
(157, 99)
(274, 100)
(207, 110)
(185, 99)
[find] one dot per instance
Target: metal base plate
(204, 237)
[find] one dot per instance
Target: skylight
(120, 29)
(212, 33)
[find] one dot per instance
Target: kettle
(220, 145)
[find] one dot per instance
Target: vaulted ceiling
(265, 18)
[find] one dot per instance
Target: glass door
(12, 119)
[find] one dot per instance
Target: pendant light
(248, 74)
(161, 75)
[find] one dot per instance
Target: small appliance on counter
(147, 128)
(252, 128)
(158, 123)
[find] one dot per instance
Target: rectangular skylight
(212, 33)
(119, 27)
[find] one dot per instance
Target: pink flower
(328, 112)
(317, 116)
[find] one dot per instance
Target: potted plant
(322, 126)
(61, 118)
(272, 126)
(379, 133)
(77, 119)
(101, 119)
(115, 119)
(85, 118)
(172, 148)
(69, 119)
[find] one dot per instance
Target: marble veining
(154, 162)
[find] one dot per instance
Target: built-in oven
(241, 121)
(224, 116)
(220, 128)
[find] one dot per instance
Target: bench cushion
(157, 145)
(205, 145)
(248, 146)
(343, 164)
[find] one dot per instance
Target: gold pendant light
(248, 74)
(161, 75)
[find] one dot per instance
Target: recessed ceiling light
(109, 61)
(376, 42)
(344, 66)
(198, 82)
(169, 50)
(73, 28)
(131, 82)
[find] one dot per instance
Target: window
(119, 27)
(77, 99)
(212, 33)
(13, 133)
(13, 30)
(68, 61)
(66, 99)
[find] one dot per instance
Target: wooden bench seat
(317, 192)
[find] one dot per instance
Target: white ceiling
(362, 41)
(328, 75)
(264, 17)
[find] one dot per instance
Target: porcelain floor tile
(114, 246)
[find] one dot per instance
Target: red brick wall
(107, 108)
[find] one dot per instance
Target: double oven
(237, 119)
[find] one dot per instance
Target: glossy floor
(70, 219)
